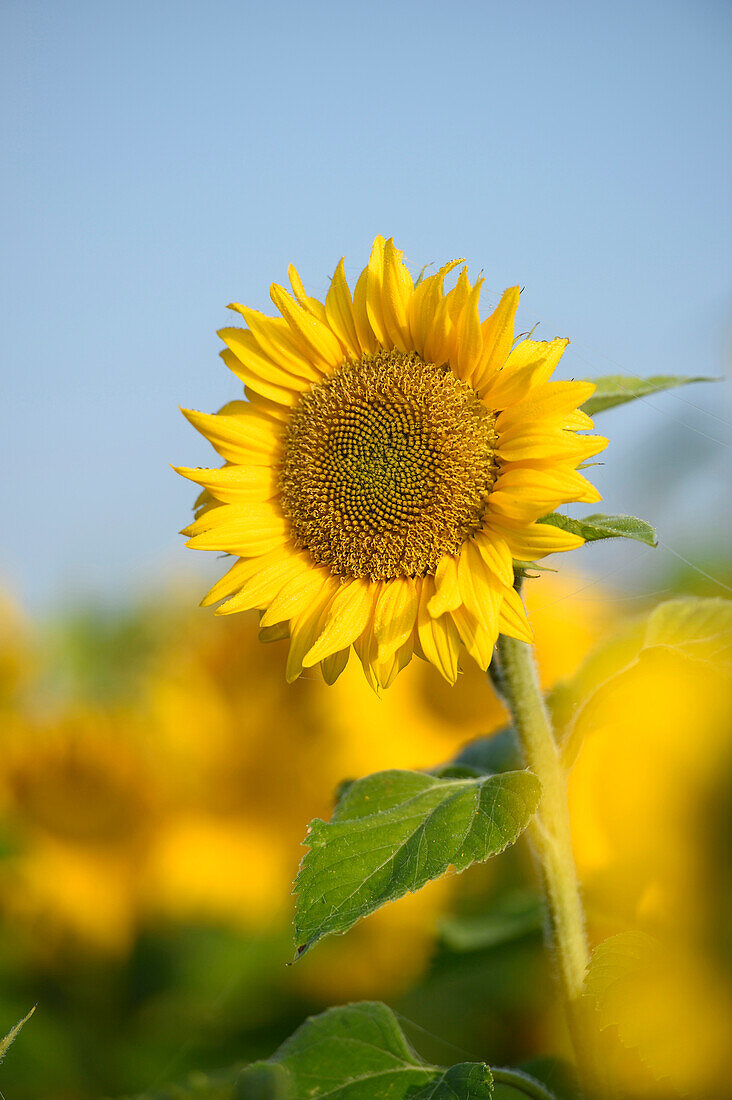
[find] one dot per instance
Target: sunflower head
(389, 462)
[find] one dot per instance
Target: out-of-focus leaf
(616, 389)
(695, 629)
(517, 1084)
(357, 1052)
(623, 982)
(499, 752)
(651, 996)
(394, 831)
(558, 1075)
(205, 1086)
(596, 527)
(510, 919)
(13, 1033)
(612, 962)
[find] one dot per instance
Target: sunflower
(389, 463)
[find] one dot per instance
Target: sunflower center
(387, 465)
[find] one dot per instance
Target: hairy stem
(550, 832)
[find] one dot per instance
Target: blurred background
(156, 773)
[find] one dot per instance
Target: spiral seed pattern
(386, 466)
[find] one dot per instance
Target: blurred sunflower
(650, 713)
(389, 464)
(79, 807)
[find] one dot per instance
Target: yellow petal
(536, 540)
(334, 665)
(235, 484)
(480, 589)
(241, 571)
(397, 290)
(273, 410)
(552, 400)
(256, 529)
(239, 435)
(424, 304)
(252, 360)
(260, 389)
(458, 296)
(469, 344)
(305, 628)
(294, 597)
(312, 305)
(314, 338)
(346, 619)
(527, 493)
(366, 336)
(262, 587)
(578, 421)
(277, 343)
(276, 633)
(339, 312)
(374, 285)
(387, 670)
(439, 339)
(438, 638)
(447, 591)
(365, 649)
(396, 611)
(476, 639)
(495, 552)
(530, 364)
(497, 338)
(542, 445)
(512, 619)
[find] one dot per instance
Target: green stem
(522, 1082)
(550, 831)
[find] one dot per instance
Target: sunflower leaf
(357, 1051)
(691, 628)
(627, 980)
(596, 527)
(394, 831)
(13, 1033)
(616, 389)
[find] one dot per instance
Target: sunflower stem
(550, 835)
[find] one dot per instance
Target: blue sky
(163, 159)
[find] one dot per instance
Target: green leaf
(13, 1033)
(627, 980)
(511, 918)
(220, 1086)
(596, 527)
(357, 1052)
(392, 832)
(613, 962)
(616, 389)
(498, 752)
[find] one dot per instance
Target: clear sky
(162, 159)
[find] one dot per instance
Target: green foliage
(204, 1086)
(13, 1033)
(616, 389)
(511, 918)
(498, 753)
(357, 1052)
(596, 527)
(394, 831)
